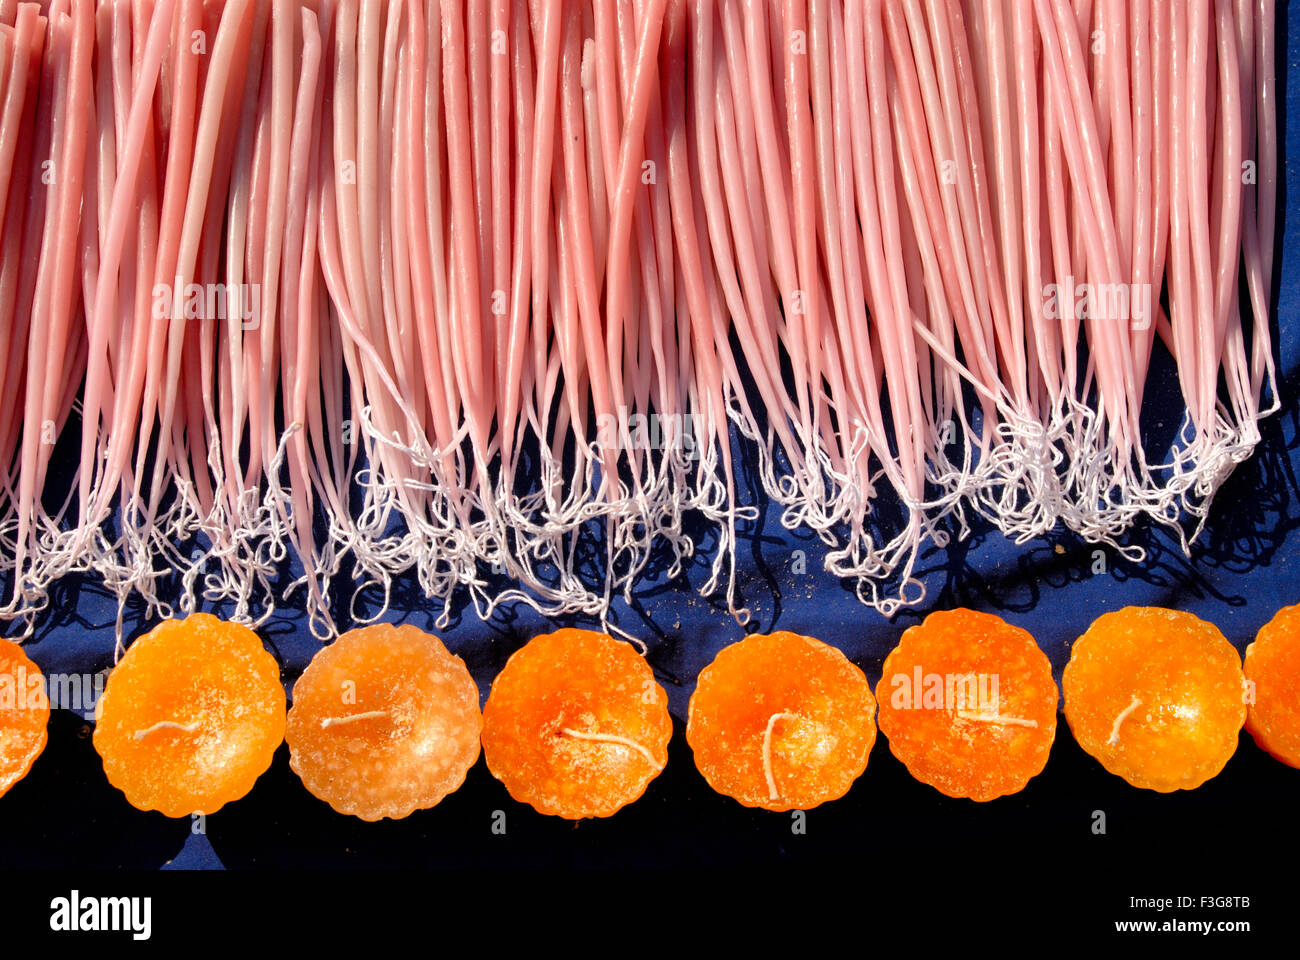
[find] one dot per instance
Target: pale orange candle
(385, 721)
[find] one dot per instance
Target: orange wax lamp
(576, 725)
(782, 722)
(968, 704)
(191, 716)
(385, 721)
(1273, 667)
(1157, 696)
(24, 714)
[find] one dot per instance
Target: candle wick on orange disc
(1114, 731)
(995, 717)
(772, 792)
(613, 738)
(167, 725)
(339, 721)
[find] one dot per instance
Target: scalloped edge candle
(575, 725)
(781, 721)
(402, 717)
(1141, 688)
(981, 699)
(22, 698)
(172, 736)
(1273, 667)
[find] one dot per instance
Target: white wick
(1114, 731)
(772, 793)
(337, 721)
(167, 725)
(613, 738)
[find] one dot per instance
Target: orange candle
(191, 716)
(1157, 696)
(385, 721)
(1273, 667)
(782, 722)
(968, 704)
(24, 714)
(576, 725)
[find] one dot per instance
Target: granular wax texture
(385, 721)
(1273, 666)
(191, 716)
(24, 714)
(781, 721)
(1157, 696)
(576, 725)
(968, 704)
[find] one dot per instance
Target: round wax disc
(575, 725)
(191, 716)
(968, 704)
(24, 714)
(1157, 696)
(1273, 666)
(782, 722)
(385, 721)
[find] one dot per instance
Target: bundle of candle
(503, 291)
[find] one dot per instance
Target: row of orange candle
(386, 721)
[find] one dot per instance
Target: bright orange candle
(1273, 666)
(24, 714)
(968, 704)
(191, 716)
(1157, 696)
(385, 721)
(576, 725)
(782, 722)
